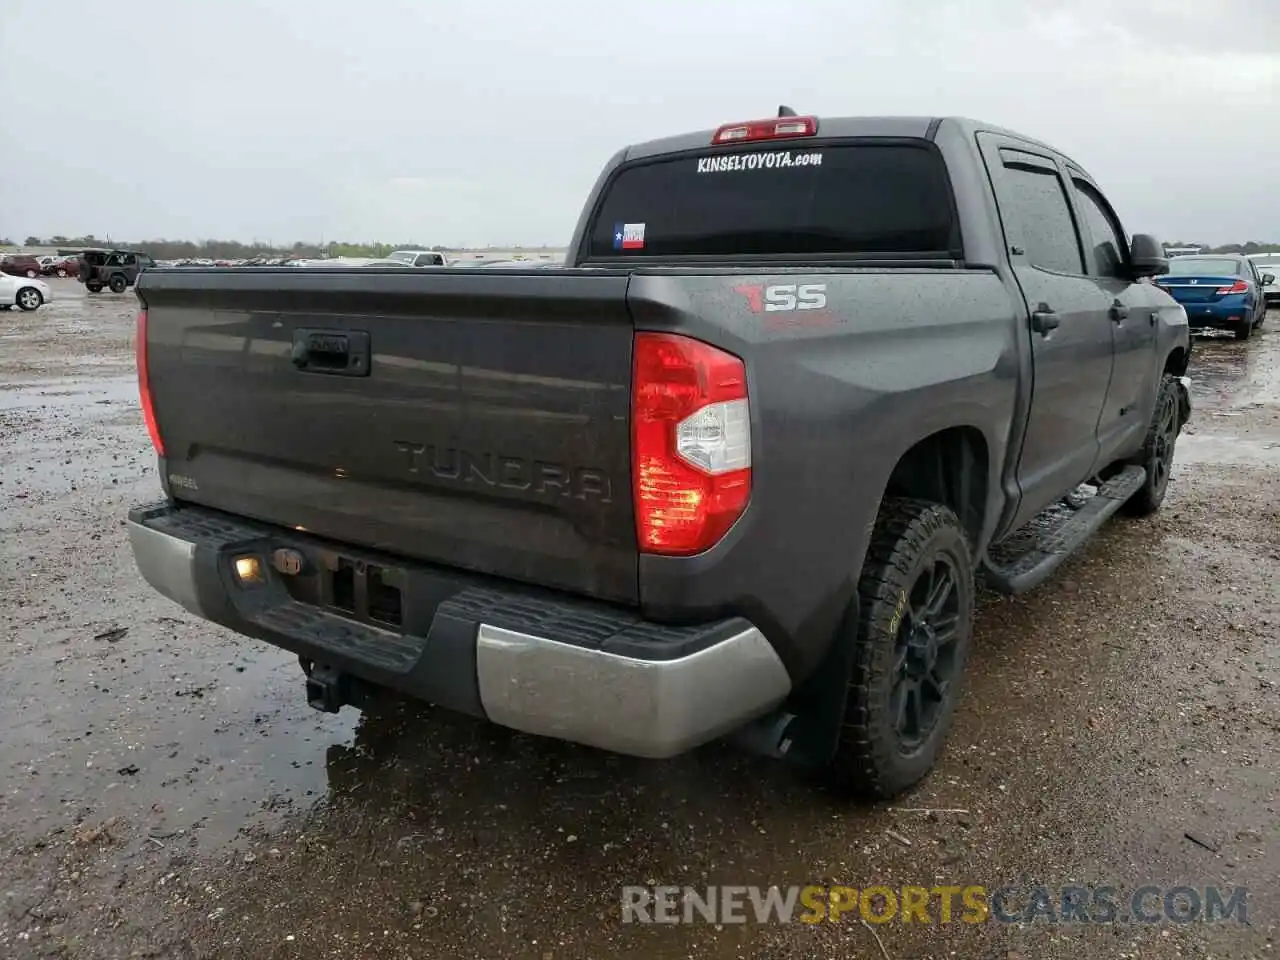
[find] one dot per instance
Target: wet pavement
(165, 790)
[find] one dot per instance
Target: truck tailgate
(473, 418)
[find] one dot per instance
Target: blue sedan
(1221, 291)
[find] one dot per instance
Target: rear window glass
(844, 199)
(1210, 266)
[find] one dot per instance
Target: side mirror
(1148, 256)
(1268, 279)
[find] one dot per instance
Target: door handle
(1118, 312)
(1043, 320)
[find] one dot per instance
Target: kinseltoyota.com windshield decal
(773, 160)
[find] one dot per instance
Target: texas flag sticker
(628, 236)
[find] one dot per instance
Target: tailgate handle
(341, 353)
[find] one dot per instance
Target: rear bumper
(1228, 313)
(535, 661)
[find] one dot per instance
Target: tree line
(1246, 248)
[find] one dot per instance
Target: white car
(414, 258)
(23, 292)
(1270, 264)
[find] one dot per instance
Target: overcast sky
(486, 121)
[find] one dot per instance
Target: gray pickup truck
(733, 469)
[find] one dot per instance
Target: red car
(61, 267)
(20, 266)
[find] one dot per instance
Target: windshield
(1204, 266)
(881, 199)
(402, 256)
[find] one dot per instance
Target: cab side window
(1036, 201)
(1105, 245)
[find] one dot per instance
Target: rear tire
(31, 274)
(1157, 450)
(93, 287)
(911, 641)
(1244, 331)
(61, 272)
(117, 283)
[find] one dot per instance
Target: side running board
(1011, 572)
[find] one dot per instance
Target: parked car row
(397, 258)
(51, 265)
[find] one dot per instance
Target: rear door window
(851, 199)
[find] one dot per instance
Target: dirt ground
(165, 791)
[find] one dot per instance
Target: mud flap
(1184, 401)
(814, 734)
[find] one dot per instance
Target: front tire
(117, 284)
(1157, 450)
(29, 298)
(911, 642)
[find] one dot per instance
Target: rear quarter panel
(837, 396)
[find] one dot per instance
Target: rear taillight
(691, 443)
(1238, 287)
(775, 128)
(144, 383)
